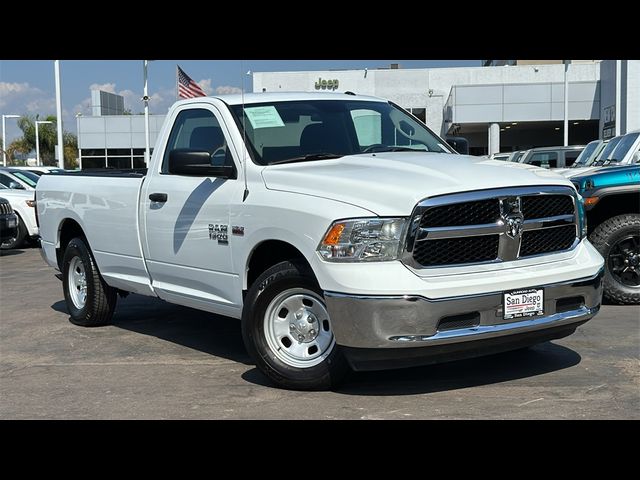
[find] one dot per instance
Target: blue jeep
(612, 203)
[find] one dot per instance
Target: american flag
(187, 88)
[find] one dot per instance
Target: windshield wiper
(307, 158)
(395, 149)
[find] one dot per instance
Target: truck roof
(252, 98)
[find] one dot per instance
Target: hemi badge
(236, 230)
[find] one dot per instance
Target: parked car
(500, 156)
(8, 221)
(515, 156)
(40, 170)
(552, 157)
(23, 203)
(586, 157)
(17, 179)
(612, 202)
(619, 151)
(338, 242)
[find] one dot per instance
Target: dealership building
(500, 106)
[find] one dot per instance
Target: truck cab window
(198, 129)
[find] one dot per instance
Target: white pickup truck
(337, 227)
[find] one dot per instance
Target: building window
(420, 113)
(92, 152)
(119, 162)
(93, 162)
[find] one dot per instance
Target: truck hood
(574, 172)
(390, 184)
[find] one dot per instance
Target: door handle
(158, 197)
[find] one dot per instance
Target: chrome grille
(491, 226)
(5, 208)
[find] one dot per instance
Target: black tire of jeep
(604, 237)
(101, 298)
(19, 240)
(280, 277)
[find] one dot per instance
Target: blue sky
(27, 86)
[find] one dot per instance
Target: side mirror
(16, 186)
(184, 161)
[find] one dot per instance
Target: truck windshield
(606, 153)
(625, 144)
(309, 130)
(586, 154)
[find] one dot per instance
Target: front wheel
(90, 300)
(618, 241)
(287, 330)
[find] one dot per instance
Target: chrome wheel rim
(298, 329)
(77, 280)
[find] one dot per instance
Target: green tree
(48, 139)
(70, 142)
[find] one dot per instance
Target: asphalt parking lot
(162, 361)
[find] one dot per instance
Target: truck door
(186, 218)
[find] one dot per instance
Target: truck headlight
(582, 217)
(363, 240)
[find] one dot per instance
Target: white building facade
(500, 108)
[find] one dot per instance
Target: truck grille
(5, 208)
(457, 250)
(470, 213)
(546, 206)
(491, 226)
(548, 240)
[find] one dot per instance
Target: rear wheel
(287, 330)
(90, 300)
(618, 241)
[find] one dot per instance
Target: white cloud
(205, 84)
(159, 101)
(17, 93)
(227, 89)
(105, 87)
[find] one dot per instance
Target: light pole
(4, 138)
(59, 115)
(38, 122)
(566, 102)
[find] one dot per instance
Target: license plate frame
(523, 303)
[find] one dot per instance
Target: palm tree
(48, 140)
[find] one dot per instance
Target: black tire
(604, 238)
(101, 298)
(19, 240)
(277, 279)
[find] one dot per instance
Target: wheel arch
(267, 253)
(613, 203)
(68, 229)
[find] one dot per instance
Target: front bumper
(8, 226)
(395, 324)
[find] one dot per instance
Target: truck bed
(106, 206)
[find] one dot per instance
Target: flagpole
(177, 81)
(145, 98)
